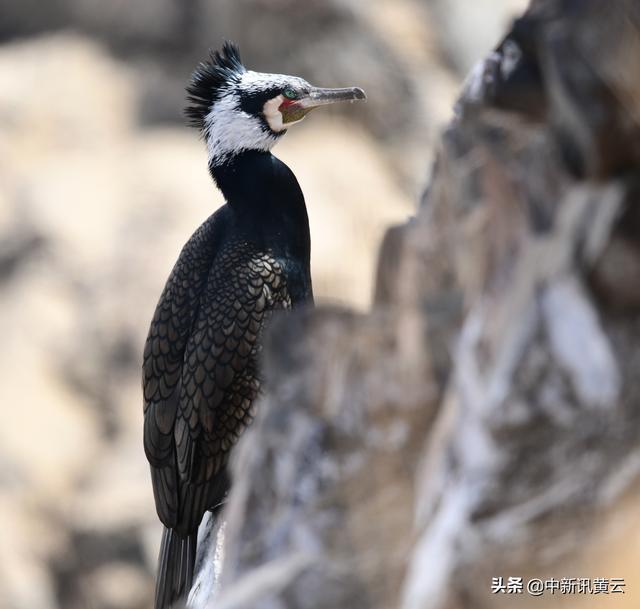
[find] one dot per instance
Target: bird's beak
(321, 97)
(295, 111)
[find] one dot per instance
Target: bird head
(237, 109)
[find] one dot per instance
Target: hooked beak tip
(359, 93)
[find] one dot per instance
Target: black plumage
(247, 261)
(209, 80)
(201, 357)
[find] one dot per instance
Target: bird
(247, 261)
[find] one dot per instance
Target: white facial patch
(273, 115)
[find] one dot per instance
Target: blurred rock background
(100, 185)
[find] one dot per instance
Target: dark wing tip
(209, 79)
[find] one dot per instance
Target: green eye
(289, 93)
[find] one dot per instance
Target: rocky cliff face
(482, 421)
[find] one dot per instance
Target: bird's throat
(244, 176)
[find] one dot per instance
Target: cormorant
(247, 260)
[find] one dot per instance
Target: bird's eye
(289, 93)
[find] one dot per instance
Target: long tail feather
(175, 569)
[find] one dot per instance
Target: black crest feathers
(209, 79)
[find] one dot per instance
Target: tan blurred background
(100, 185)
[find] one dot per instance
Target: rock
(540, 394)
(324, 490)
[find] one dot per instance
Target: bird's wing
(170, 329)
(219, 377)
